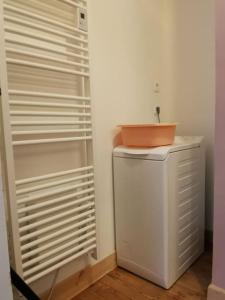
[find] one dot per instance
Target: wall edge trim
(215, 293)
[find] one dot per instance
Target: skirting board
(215, 293)
(75, 284)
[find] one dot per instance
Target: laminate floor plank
(122, 285)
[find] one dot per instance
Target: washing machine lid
(159, 153)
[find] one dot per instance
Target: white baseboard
(215, 293)
(75, 284)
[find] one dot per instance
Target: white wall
(125, 61)
(188, 78)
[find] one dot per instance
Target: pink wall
(219, 205)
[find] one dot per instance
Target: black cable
(158, 113)
(22, 287)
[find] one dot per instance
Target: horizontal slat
(56, 217)
(58, 257)
(60, 264)
(48, 104)
(45, 67)
(189, 240)
(54, 201)
(48, 123)
(45, 39)
(48, 113)
(56, 250)
(188, 251)
(46, 57)
(188, 218)
(195, 254)
(188, 200)
(45, 48)
(54, 192)
(57, 241)
(53, 175)
(51, 210)
(54, 234)
(45, 19)
(48, 228)
(47, 95)
(54, 183)
(29, 24)
(32, 132)
(71, 3)
(50, 141)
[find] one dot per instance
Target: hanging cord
(22, 287)
(53, 285)
(158, 113)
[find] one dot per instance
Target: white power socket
(82, 19)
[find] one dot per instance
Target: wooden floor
(122, 285)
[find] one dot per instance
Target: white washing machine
(159, 208)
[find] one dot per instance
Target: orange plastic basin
(148, 135)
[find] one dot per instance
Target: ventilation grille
(189, 231)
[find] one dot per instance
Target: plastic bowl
(148, 135)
